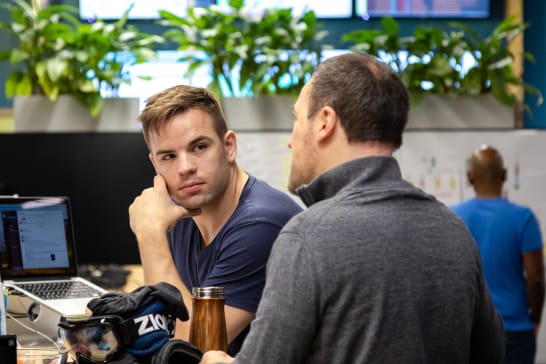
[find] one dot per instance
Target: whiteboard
(265, 155)
(434, 161)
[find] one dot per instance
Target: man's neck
(488, 195)
(214, 217)
(487, 191)
(340, 153)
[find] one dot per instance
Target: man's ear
(503, 175)
(151, 158)
(230, 144)
(326, 122)
(469, 177)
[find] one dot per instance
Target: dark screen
(8, 349)
(101, 173)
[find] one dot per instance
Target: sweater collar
(356, 172)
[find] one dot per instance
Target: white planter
(434, 112)
(461, 112)
(259, 113)
(39, 114)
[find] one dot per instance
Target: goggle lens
(95, 343)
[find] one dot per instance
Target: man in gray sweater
(375, 270)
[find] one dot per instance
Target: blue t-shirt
(237, 257)
(504, 231)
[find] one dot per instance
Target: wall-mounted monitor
(142, 9)
(322, 9)
(423, 8)
(149, 9)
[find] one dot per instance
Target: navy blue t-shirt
(237, 256)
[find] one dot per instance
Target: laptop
(38, 254)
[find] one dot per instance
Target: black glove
(126, 305)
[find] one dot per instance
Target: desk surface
(34, 355)
(20, 305)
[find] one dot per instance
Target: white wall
(435, 161)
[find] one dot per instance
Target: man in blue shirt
(510, 244)
(205, 221)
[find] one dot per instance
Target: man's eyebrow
(199, 139)
(164, 151)
(191, 144)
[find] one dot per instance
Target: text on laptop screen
(36, 237)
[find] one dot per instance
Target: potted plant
(451, 70)
(58, 57)
(250, 53)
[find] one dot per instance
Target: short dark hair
(369, 98)
(164, 105)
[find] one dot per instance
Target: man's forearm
(533, 263)
(536, 300)
(158, 266)
(156, 258)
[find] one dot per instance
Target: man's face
(192, 159)
(301, 143)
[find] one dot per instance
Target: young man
(205, 222)
(510, 244)
(375, 270)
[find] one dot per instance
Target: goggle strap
(135, 327)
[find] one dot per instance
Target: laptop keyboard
(60, 290)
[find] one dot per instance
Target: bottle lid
(208, 292)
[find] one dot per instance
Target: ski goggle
(94, 339)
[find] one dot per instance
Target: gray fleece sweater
(374, 271)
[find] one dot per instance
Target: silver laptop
(38, 254)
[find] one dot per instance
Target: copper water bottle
(208, 323)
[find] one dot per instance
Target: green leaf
(12, 81)
(18, 55)
(236, 4)
(24, 86)
(87, 86)
(95, 105)
(55, 69)
(390, 26)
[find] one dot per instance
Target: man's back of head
(369, 98)
(486, 172)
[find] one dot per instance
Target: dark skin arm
(533, 264)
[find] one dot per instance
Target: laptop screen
(36, 238)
